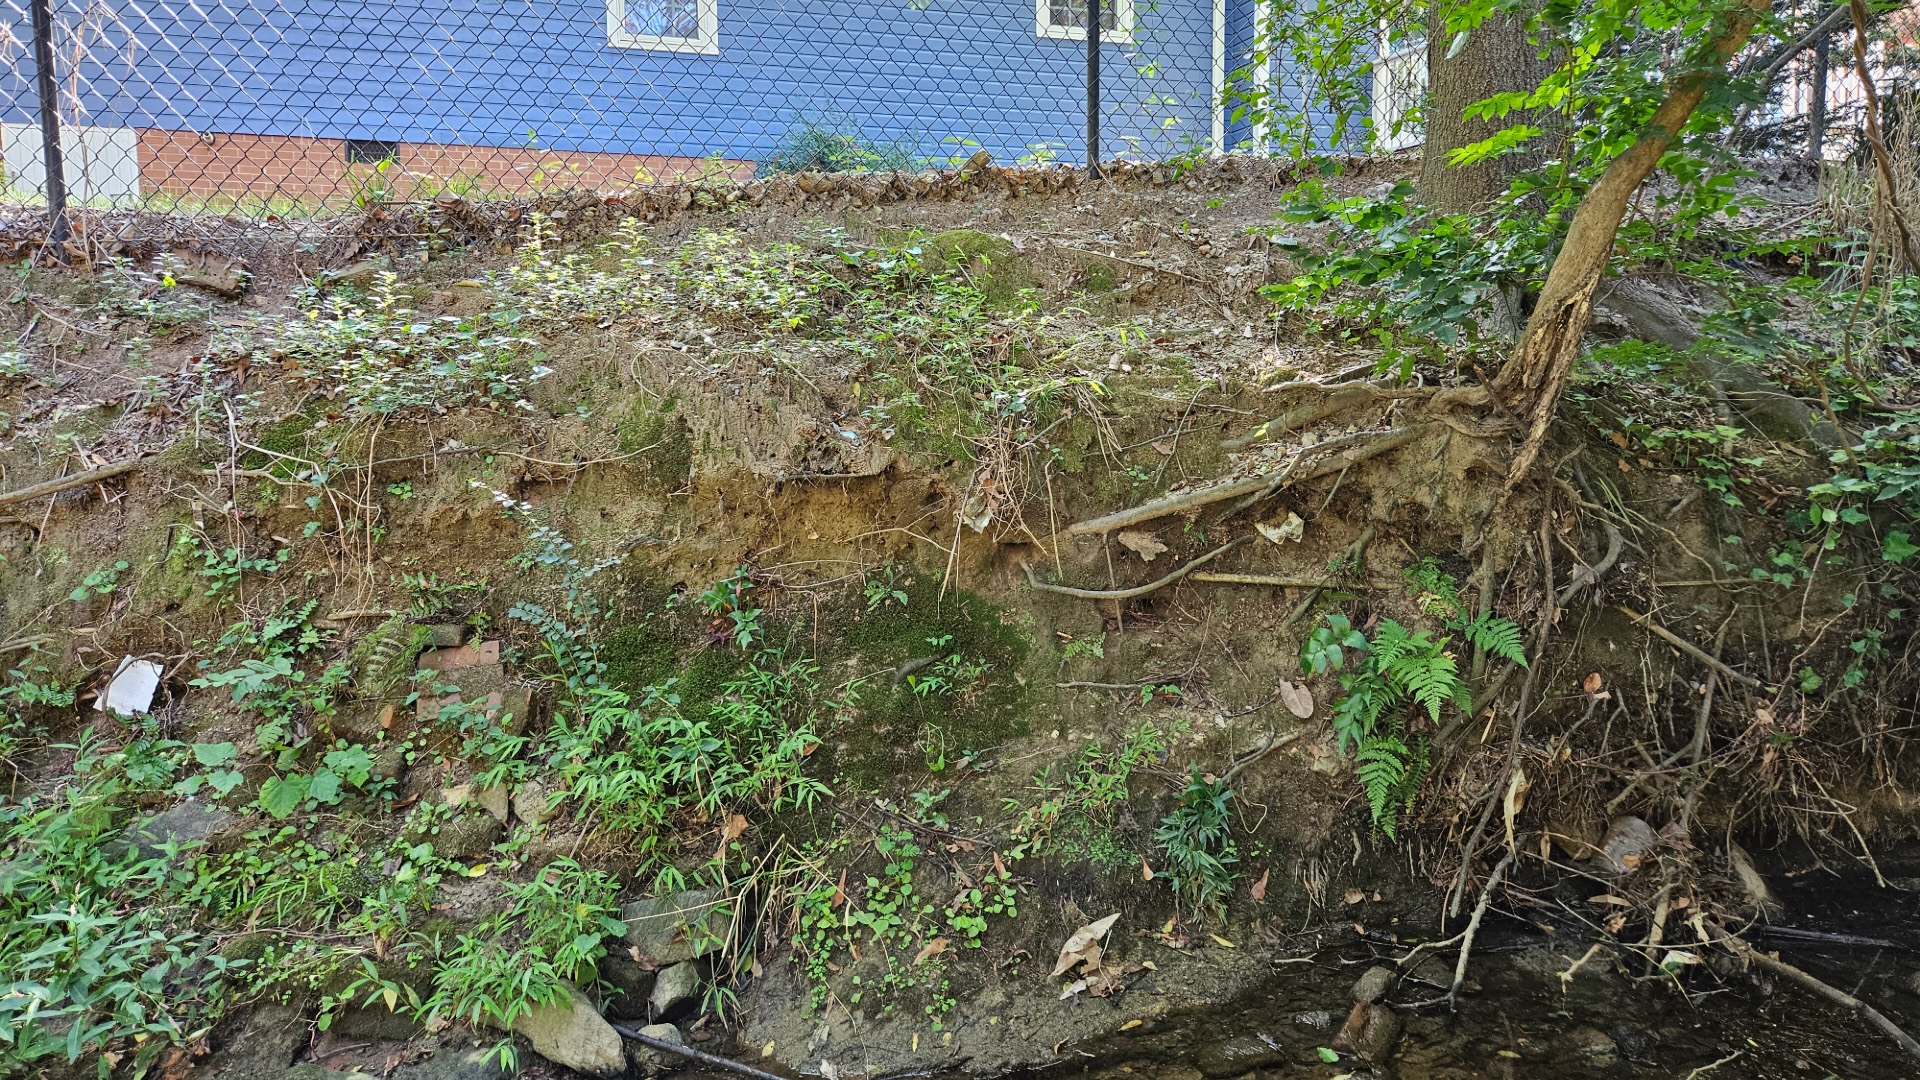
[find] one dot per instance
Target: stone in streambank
(651, 1062)
(675, 928)
(571, 1032)
(674, 989)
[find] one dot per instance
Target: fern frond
(1431, 679)
(1498, 636)
(1381, 765)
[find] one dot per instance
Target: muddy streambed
(1521, 1019)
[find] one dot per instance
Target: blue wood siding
(941, 75)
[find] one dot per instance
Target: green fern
(1497, 636)
(1381, 765)
(1397, 669)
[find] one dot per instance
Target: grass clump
(821, 146)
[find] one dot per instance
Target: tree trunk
(1497, 58)
(1533, 379)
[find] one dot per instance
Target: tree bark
(1532, 381)
(1497, 58)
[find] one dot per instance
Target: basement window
(371, 151)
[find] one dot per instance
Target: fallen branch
(1839, 997)
(1688, 647)
(1124, 261)
(1338, 399)
(1268, 747)
(688, 1052)
(1278, 581)
(1350, 557)
(68, 483)
(1466, 939)
(1374, 444)
(1137, 590)
(1592, 574)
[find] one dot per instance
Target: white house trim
(1219, 109)
(706, 38)
(1121, 34)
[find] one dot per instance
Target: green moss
(899, 732)
(287, 437)
(639, 656)
(666, 439)
(990, 263)
(1098, 278)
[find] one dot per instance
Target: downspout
(1219, 76)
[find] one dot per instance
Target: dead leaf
(1609, 898)
(1354, 896)
(1222, 942)
(1259, 890)
(1131, 1024)
(1142, 544)
(1297, 698)
(731, 830)
(1082, 948)
(1592, 683)
(1516, 798)
(1146, 872)
(1163, 447)
(839, 891)
(930, 950)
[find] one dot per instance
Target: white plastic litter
(130, 691)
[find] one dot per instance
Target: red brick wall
(316, 170)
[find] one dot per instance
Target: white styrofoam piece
(130, 691)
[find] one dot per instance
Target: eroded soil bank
(791, 618)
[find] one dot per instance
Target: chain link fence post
(55, 165)
(1093, 87)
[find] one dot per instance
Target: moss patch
(668, 444)
(989, 263)
(899, 731)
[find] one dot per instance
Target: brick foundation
(315, 170)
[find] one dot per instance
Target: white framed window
(691, 26)
(1067, 19)
(1399, 87)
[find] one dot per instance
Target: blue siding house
(300, 96)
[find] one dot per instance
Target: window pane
(663, 18)
(1074, 13)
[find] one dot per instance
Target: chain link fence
(291, 109)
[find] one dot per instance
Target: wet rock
(1591, 1044)
(1369, 1033)
(493, 800)
(1318, 1019)
(262, 1046)
(674, 990)
(447, 635)
(455, 1063)
(1373, 985)
(1628, 843)
(1630, 1041)
(570, 1032)
(677, 927)
(530, 803)
(310, 1071)
(1239, 1054)
(466, 837)
(652, 1062)
(631, 983)
(375, 1022)
(190, 824)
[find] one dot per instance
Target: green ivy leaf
(325, 787)
(1326, 1055)
(225, 780)
(280, 796)
(212, 754)
(1898, 546)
